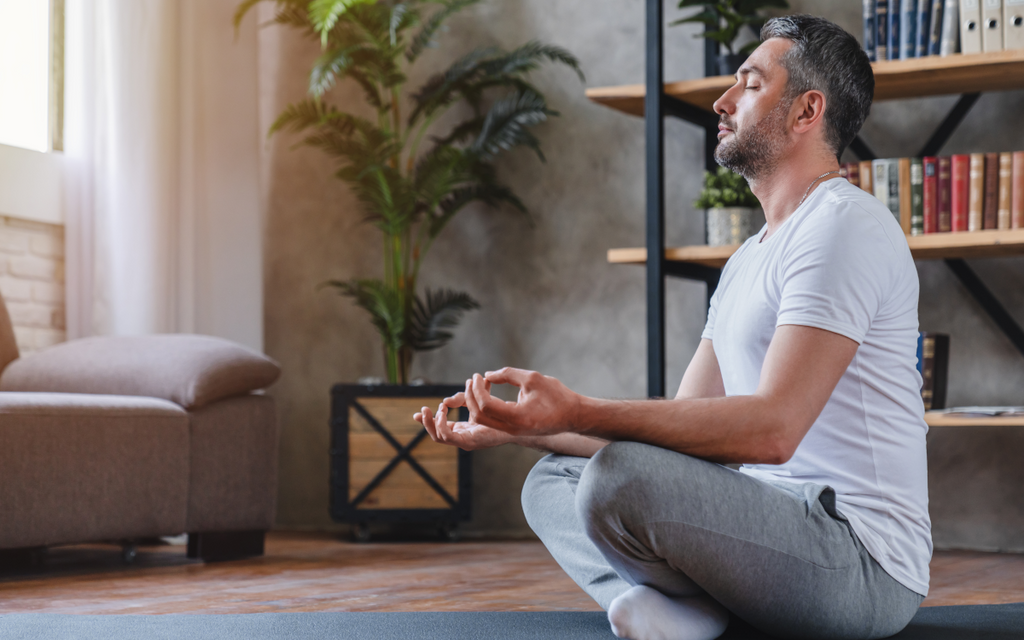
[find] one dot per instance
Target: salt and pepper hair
(826, 58)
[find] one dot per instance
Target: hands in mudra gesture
(545, 406)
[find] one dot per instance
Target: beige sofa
(118, 439)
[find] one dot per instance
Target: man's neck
(782, 191)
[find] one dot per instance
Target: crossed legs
(695, 533)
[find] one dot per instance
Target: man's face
(753, 130)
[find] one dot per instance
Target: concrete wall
(550, 301)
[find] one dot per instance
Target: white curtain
(163, 214)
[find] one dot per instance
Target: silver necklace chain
(810, 186)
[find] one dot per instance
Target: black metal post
(655, 172)
(988, 302)
(949, 124)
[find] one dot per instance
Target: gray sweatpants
(782, 558)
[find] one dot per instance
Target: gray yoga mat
(980, 622)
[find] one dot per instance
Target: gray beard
(756, 153)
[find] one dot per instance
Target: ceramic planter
(731, 225)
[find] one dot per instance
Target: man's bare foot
(643, 613)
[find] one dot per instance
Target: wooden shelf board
(946, 420)
(936, 246)
(894, 80)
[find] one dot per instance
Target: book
(903, 191)
(945, 194)
(950, 43)
(881, 29)
(916, 197)
(886, 184)
(908, 29)
(894, 200)
(933, 365)
(865, 176)
(852, 172)
(959, 183)
(970, 26)
(1005, 182)
(976, 189)
(992, 25)
(892, 45)
(990, 204)
(924, 27)
(935, 41)
(930, 194)
(1017, 190)
(869, 28)
(1013, 24)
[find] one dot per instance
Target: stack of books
(950, 193)
(903, 29)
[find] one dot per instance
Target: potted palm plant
(411, 179)
(732, 212)
(723, 20)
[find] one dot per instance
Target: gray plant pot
(732, 225)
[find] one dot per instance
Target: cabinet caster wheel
(450, 532)
(361, 532)
(129, 551)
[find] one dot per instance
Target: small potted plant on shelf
(412, 179)
(723, 20)
(731, 209)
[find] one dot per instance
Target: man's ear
(809, 110)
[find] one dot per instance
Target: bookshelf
(935, 246)
(692, 100)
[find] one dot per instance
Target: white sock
(643, 613)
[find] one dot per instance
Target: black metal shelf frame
(658, 268)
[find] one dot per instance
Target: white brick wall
(32, 281)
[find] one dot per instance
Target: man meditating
(805, 374)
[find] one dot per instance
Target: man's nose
(725, 104)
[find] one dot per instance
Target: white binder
(970, 26)
(1013, 24)
(992, 25)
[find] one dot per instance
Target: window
(31, 73)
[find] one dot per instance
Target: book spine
(1017, 191)
(869, 28)
(926, 366)
(1005, 190)
(970, 26)
(930, 194)
(865, 176)
(935, 41)
(992, 25)
(939, 368)
(853, 173)
(958, 187)
(1013, 24)
(880, 173)
(904, 191)
(990, 206)
(924, 31)
(908, 29)
(893, 44)
(895, 201)
(976, 189)
(916, 197)
(950, 43)
(881, 29)
(945, 194)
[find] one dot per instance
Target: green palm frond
(491, 194)
(324, 14)
(425, 38)
(529, 57)
(383, 303)
(507, 124)
(434, 315)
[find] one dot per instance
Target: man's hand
(545, 405)
(468, 436)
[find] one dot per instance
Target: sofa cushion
(190, 370)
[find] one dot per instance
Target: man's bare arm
(801, 369)
(703, 378)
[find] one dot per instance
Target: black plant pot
(729, 63)
(384, 467)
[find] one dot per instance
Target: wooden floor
(316, 572)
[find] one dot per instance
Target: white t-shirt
(841, 263)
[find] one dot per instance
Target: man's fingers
(494, 409)
(509, 375)
(456, 401)
(470, 398)
(426, 418)
(441, 425)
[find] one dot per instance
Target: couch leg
(225, 545)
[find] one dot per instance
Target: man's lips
(723, 130)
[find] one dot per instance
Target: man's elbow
(778, 445)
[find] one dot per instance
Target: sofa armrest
(189, 370)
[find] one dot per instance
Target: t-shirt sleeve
(709, 326)
(837, 272)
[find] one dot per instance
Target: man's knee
(613, 481)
